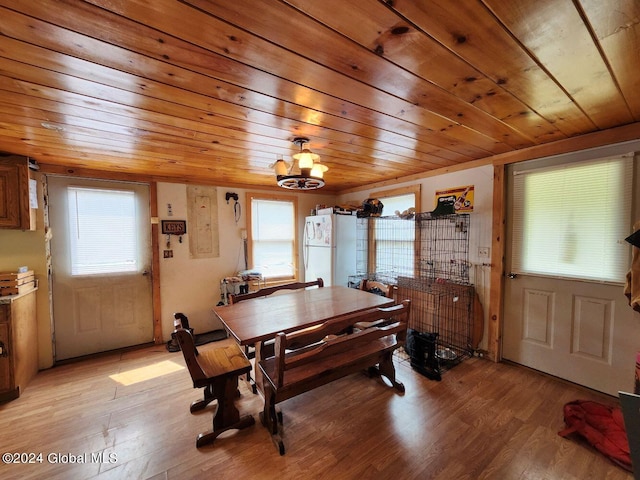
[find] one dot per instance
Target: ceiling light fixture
(306, 175)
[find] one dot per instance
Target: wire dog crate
(427, 257)
(443, 248)
(445, 309)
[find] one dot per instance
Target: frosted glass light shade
(318, 170)
(280, 167)
(305, 158)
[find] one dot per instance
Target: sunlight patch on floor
(146, 373)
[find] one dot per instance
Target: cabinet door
(9, 195)
(15, 210)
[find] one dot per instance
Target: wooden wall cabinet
(15, 209)
(19, 338)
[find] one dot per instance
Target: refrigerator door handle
(305, 247)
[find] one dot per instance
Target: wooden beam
(497, 265)
(155, 265)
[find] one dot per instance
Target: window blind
(394, 247)
(102, 231)
(273, 237)
(568, 221)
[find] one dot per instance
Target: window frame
(250, 196)
(416, 190)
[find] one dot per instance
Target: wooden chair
(377, 288)
(267, 347)
(216, 371)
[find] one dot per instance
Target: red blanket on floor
(602, 426)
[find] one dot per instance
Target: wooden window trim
(416, 190)
(276, 197)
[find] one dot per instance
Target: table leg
(257, 374)
(227, 416)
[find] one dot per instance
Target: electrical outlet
(483, 252)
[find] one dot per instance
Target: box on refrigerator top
(325, 211)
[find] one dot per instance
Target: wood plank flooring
(482, 421)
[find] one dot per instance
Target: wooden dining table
(254, 321)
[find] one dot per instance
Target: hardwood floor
(482, 421)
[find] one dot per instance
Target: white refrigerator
(329, 248)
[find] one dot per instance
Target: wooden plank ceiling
(211, 91)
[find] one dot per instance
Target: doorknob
(145, 273)
(512, 275)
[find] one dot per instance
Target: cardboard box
(325, 211)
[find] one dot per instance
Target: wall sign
(461, 197)
(174, 227)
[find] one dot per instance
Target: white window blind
(273, 237)
(569, 220)
(395, 247)
(102, 231)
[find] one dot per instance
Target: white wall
(187, 285)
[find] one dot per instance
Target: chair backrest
(263, 292)
(190, 353)
(182, 320)
(378, 288)
(330, 338)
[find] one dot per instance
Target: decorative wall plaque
(174, 227)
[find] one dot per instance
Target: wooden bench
(263, 292)
(333, 350)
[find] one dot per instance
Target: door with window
(565, 312)
(101, 261)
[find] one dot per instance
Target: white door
(101, 263)
(578, 329)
